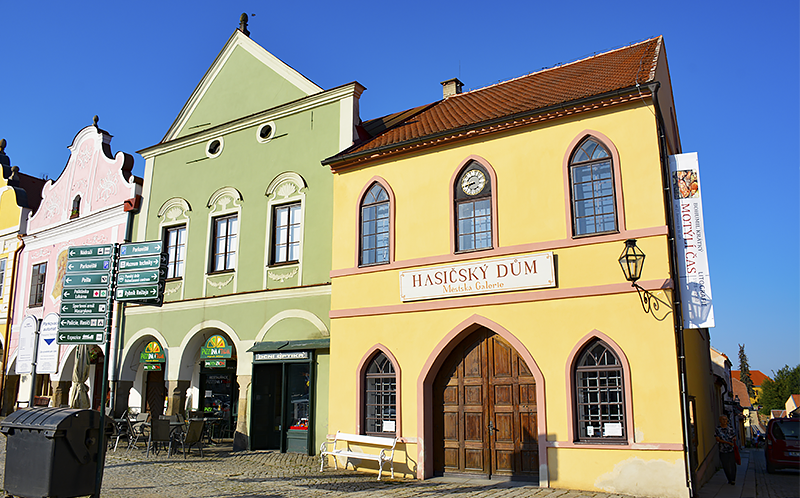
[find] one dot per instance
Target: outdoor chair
(159, 433)
(138, 429)
(193, 437)
(122, 429)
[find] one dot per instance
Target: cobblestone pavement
(753, 481)
(221, 473)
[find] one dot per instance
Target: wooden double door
(484, 401)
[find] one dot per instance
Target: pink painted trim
(431, 368)
(383, 183)
(361, 370)
(626, 381)
(634, 446)
(615, 163)
(492, 178)
(507, 251)
(502, 298)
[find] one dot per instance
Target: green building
(238, 196)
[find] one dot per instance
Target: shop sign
(533, 271)
(282, 356)
(153, 353)
(215, 347)
(215, 363)
(27, 336)
(690, 241)
(152, 367)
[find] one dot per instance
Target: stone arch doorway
(484, 407)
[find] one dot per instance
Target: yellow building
(479, 313)
(20, 194)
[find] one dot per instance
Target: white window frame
(287, 188)
(224, 202)
(174, 213)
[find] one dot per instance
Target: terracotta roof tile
(755, 375)
(593, 76)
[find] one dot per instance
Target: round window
(265, 132)
(214, 147)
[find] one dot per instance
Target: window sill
(467, 251)
(595, 234)
(220, 272)
(372, 265)
(174, 279)
(283, 263)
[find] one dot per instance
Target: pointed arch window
(375, 226)
(599, 389)
(591, 175)
(473, 208)
(380, 397)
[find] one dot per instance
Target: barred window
(380, 414)
(600, 404)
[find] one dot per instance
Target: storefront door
(219, 394)
(485, 411)
(281, 405)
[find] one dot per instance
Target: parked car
(783, 444)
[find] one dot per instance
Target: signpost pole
(33, 362)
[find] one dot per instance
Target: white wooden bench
(342, 446)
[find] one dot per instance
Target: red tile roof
(755, 375)
(591, 77)
(740, 390)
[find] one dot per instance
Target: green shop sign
(153, 367)
(216, 347)
(215, 363)
(153, 353)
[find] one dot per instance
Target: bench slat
(373, 440)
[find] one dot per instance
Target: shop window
(175, 242)
(224, 243)
(599, 395)
(473, 208)
(38, 276)
(591, 177)
(380, 397)
(375, 226)
(286, 231)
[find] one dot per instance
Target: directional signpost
(142, 272)
(85, 310)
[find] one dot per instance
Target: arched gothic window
(375, 226)
(473, 208)
(591, 177)
(599, 389)
(380, 397)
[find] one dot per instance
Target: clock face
(473, 182)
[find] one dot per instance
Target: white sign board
(531, 271)
(47, 353)
(27, 334)
(695, 282)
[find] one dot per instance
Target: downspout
(677, 311)
(9, 317)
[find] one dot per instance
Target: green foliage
(744, 372)
(774, 393)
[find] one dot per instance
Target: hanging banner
(47, 352)
(216, 347)
(695, 282)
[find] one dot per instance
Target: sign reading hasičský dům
(533, 271)
(695, 283)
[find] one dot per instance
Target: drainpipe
(9, 317)
(676, 310)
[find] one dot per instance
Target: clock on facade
(473, 182)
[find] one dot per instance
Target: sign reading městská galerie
(532, 271)
(695, 282)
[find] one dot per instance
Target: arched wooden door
(485, 411)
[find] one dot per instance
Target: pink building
(92, 202)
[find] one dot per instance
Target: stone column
(241, 438)
(61, 390)
(176, 390)
(123, 390)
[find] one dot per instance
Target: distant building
(793, 405)
(758, 378)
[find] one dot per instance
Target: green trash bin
(51, 452)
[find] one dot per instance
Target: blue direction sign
(139, 292)
(85, 308)
(144, 262)
(84, 279)
(83, 265)
(140, 249)
(80, 322)
(80, 337)
(77, 252)
(84, 294)
(140, 277)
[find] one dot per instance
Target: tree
(744, 372)
(774, 393)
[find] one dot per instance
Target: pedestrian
(727, 445)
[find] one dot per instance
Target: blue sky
(734, 71)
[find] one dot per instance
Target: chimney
(451, 87)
